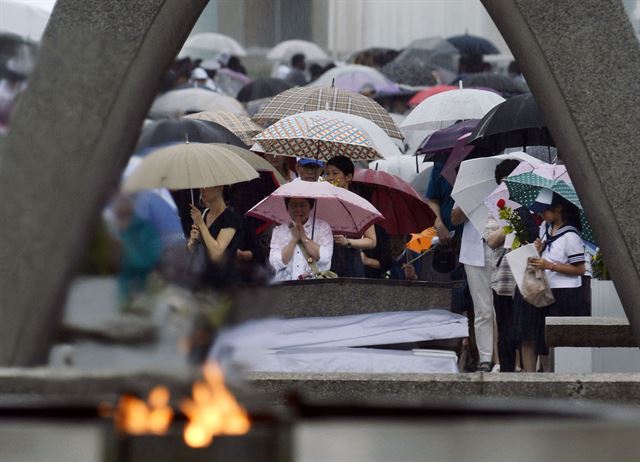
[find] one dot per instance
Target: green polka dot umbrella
(524, 189)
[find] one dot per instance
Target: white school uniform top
(565, 247)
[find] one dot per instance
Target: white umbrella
(25, 20)
(476, 180)
(209, 44)
(177, 103)
(188, 166)
(383, 143)
(444, 109)
(353, 77)
(284, 51)
(405, 167)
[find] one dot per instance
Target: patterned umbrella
(524, 188)
(316, 137)
(241, 126)
(303, 99)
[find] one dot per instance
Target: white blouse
(298, 265)
(566, 247)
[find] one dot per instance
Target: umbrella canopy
(503, 84)
(475, 181)
(421, 242)
(445, 139)
(284, 51)
(381, 141)
(404, 210)
(177, 103)
(473, 45)
(171, 130)
(524, 188)
(25, 20)
(354, 77)
(408, 168)
(346, 212)
(517, 122)
(461, 150)
(209, 45)
(445, 108)
(424, 94)
(304, 99)
(240, 125)
(443, 53)
(316, 137)
(190, 165)
(412, 67)
(262, 88)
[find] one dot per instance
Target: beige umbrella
(190, 165)
(257, 162)
(176, 103)
(241, 126)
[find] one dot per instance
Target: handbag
(535, 287)
(317, 274)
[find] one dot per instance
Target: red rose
(538, 219)
(501, 203)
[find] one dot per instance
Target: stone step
(589, 331)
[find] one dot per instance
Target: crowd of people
(507, 332)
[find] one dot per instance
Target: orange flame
(136, 417)
(212, 411)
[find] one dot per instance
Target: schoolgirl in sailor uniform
(562, 256)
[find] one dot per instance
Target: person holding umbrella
(220, 230)
(294, 252)
(347, 261)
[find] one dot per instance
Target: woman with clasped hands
(288, 241)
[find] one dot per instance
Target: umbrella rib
(349, 212)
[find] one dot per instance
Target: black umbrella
(412, 67)
(169, 130)
(503, 84)
(473, 45)
(172, 130)
(517, 122)
(262, 88)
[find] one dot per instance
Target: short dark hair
(504, 169)
(342, 163)
(570, 212)
(296, 59)
(311, 202)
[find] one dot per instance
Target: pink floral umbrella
(346, 212)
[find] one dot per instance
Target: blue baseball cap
(303, 161)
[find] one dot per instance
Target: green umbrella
(524, 188)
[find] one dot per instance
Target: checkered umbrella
(524, 188)
(241, 126)
(316, 137)
(303, 99)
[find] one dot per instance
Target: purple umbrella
(445, 139)
(460, 152)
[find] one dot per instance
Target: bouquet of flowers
(515, 224)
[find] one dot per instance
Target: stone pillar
(582, 61)
(98, 69)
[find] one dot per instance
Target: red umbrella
(424, 94)
(405, 211)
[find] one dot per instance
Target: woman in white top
(562, 257)
(287, 240)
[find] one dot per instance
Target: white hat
(199, 73)
(543, 201)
